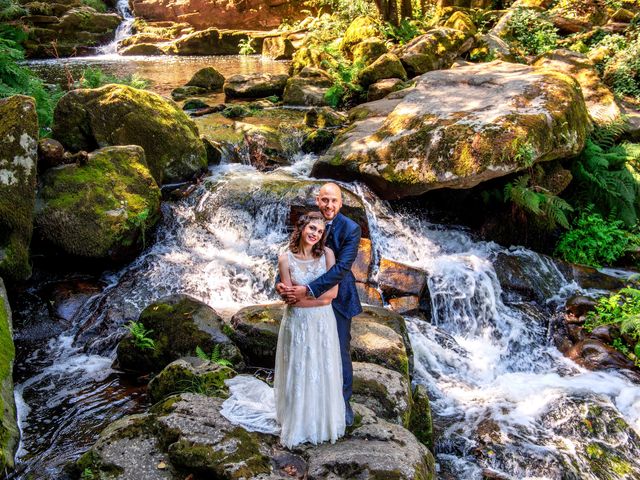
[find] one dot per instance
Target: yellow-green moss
(8, 426)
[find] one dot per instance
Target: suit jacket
(343, 239)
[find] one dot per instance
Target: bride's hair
(294, 244)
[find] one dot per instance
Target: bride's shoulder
(328, 253)
(284, 256)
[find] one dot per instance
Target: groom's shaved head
(329, 200)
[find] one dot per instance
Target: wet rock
(382, 88)
(593, 354)
(255, 331)
(423, 138)
(369, 295)
(307, 88)
(368, 51)
(195, 104)
(181, 93)
(18, 165)
(374, 449)
(601, 104)
(121, 115)
(324, 117)
(405, 305)
(420, 420)
(255, 85)
(214, 151)
(179, 324)
(434, 50)
(9, 433)
(50, 153)
(579, 305)
(210, 41)
(384, 391)
(318, 141)
(588, 277)
(386, 66)
(208, 78)
(362, 264)
(358, 31)
(190, 374)
(146, 49)
(605, 333)
(397, 279)
(100, 210)
(278, 48)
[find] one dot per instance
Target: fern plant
(215, 356)
(246, 46)
(140, 334)
(551, 209)
(94, 77)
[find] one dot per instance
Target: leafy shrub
(246, 46)
(140, 336)
(97, 5)
(18, 80)
(10, 10)
(595, 241)
(622, 71)
(532, 32)
(96, 78)
(406, 31)
(344, 73)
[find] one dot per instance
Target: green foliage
(595, 241)
(344, 73)
(200, 385)
(623, 71)
(621, 309)
(94, 77)
(605, 177)
(273, 99)
(140, 336)
(87, 474)
(406, 31)
(11, 10)
(215, 357)
(549, 208)
(97, 5)
(18, 80)
(246, 46)
(140, 221)
(532, 31)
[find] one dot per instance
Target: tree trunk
(406, 9)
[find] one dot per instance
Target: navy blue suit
(343, 239)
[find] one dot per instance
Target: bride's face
(312, 232)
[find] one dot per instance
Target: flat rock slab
(460, 127)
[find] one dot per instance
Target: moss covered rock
(384, 391)
(461, 21)
(9, 434)
(190, 374)
(278, 48)
(359, 30)
(255, 331)
(420, 419)
(179, 324)
(318, 141)
(436, 49)
(100, 210)
(310, 56)
(181, 93)
(18, 165)
(387, 66)
(146, 49)
(424, 138)
(382, 88)
(369, 50)
(255, 85)
(600, 101)
(121, 115)
(324, 117)
(210, 41)
(307, 88)
(208, 78)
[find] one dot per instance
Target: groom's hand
(295, 293)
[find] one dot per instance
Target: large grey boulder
(457, 128)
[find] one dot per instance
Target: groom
(343, 237)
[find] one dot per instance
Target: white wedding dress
(306, 403)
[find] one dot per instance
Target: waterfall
(124, 30)
(505, 401)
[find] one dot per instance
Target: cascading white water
(504, 400)
(124, 30)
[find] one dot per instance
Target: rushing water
(124, 30)
(504, 400)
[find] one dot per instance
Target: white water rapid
(506, 403)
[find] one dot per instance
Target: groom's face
(329, 200)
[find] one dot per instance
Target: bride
(306, 403)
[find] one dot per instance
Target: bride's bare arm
(283, 266)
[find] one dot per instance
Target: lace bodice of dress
(304, 272)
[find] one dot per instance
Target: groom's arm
(344, 262)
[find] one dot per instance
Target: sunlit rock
(18, 164)
(452, 131)
(255, 85)
(307, 88)
(87, 119)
